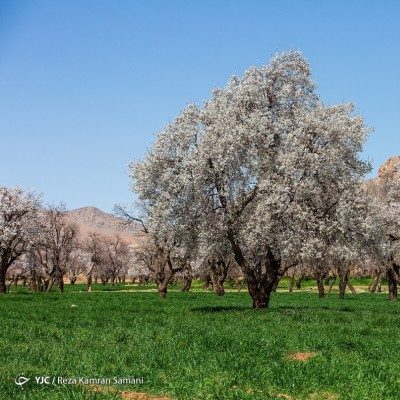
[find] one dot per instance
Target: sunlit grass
(201, 346)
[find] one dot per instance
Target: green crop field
(199, 346)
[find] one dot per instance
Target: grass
(201, 346)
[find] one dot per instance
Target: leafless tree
(57, 241)
(116, 257)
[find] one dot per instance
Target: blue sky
(86, 85)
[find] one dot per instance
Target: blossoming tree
(18, 218)
(264, 163)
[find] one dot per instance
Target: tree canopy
(264, 165)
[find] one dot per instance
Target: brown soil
(127, 395)
(323, 396)
(313, 396)
(300, 356)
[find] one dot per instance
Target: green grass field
(200, 346)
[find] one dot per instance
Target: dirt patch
(284, 396)
(323, 396)
(300, 356)
(127, 395)
(140, 396)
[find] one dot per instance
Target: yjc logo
(20, 380)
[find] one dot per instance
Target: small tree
(116, 256)
(95, 257)
(56, 242)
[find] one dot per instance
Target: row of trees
(43, 245)
(267, 176)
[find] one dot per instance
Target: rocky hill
(390, 169)
(91, 219)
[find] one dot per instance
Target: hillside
(91, 219)
(390, 169)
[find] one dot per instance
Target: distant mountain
(91, 219)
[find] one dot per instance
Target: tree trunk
(351, 287)
(60, 284)
(162, 290)
(3, 286)
(207, 282)
(49, 285)
(291, 284)
(327, 279)
(218, 276)
(260, 295)
(392, 275)
(374, 286)
(259, 284)
(239, 284)
(33, 285)
(219, 288)
(332, 283)
(89, 283)
(320, 284)
(89, 277)
(187, 283)
(276, 283)
(343, 280)
(298, 283)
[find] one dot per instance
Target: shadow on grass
(322, 307)
(219, 309)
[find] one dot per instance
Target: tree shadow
(321, 307)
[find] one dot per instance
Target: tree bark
(260, 284)
(260, 295)
(343, 280)
(276, 282)
(3, 286)
(89, 283)
(207, 282)
(89, 277)
(320, 283)
(351, 287)
(332, 283)
(291, 284)
(162, 290)
(187, 283)
(375, 285)
(219, 270)
(298, 283)
(49, 285)
(72, 280)
(392, 275)
(60, 284)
